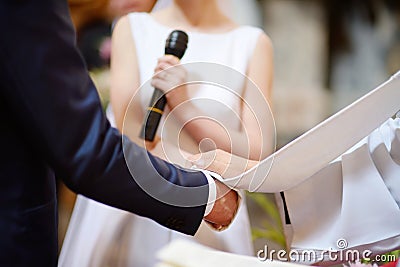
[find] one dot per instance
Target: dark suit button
(178, 224)
(174, 223)
(170, 222)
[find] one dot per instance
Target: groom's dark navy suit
(52, 125)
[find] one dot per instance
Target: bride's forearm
(210, 134)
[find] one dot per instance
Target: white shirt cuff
(212, 191)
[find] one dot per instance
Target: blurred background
(327, 53)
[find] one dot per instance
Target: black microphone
(176, 45)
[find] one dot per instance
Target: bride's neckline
(223, 33)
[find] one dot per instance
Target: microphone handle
(153, 115)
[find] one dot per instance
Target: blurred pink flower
(105, 49)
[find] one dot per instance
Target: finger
(160, 83)
(176, 71)
(204, 160)
(171, 59)
(168, 76)
(168, 60)
(193, 158)
(177, 76)
(161, 66)
(160, 75)
(179, 72)
(218, 161)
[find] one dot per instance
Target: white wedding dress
(99, 235)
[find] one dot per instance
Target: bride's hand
(170, 77)
(221, 162)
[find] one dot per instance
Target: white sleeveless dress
(99, 235)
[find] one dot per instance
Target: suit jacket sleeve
(47, 88)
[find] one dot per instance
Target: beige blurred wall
(298, 32)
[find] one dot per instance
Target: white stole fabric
(341, 179)
(315, 149)
(354, 200)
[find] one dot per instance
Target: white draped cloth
(341, 179)
(353, 203)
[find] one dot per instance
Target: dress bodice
(216, 64)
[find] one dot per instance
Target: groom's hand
(225, 207)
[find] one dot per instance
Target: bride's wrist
(185, 112)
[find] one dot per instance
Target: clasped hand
(227, 165)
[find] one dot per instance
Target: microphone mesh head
(176, 43)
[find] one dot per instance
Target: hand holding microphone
(171, 77)
(175, 46)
